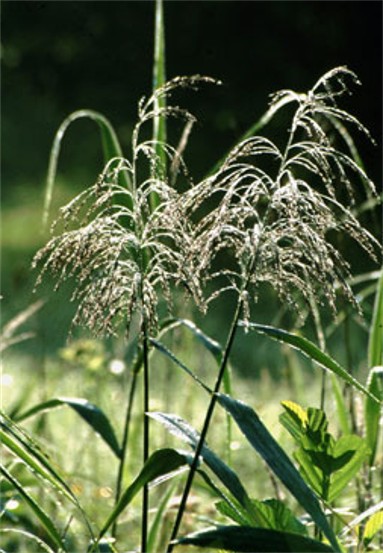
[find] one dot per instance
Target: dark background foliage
(60, 56)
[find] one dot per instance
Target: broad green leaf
(270, 513)
(44, 519)
(313, 352)
(181, 429)
(373, 525)
(356, 449)
(110, 144)
(160, 463)
(94, 416)
(267, 447)
(375, 343)
(373, 411)
(256, 540)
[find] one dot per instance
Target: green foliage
(312, 351)
(262, 441)
(160, 463)
(92, 414)
(258, 540)
(327, 464)
(265, 215)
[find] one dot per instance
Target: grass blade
(375, 343)
(262, 441)
(92, 414)
(256, 540)
(110, 144)
(32, 456)
(312, 352)
(160, 463)
(38, 511)
(372, 411)
(165, 351)
(28, 535)
(181, 429)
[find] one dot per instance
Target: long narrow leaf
(313, 352)
(255, 540)
(375, 344)
(181, 429)
(159, 78)
(110, 144)
(163, 349)
(38, 511)
(31, 455)
(92, 414)
(160, 463)
(373, 411)
(271, 452)
(29, 536)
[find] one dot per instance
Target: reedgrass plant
(268, 214)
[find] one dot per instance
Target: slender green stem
(206, 424)
(124, 445)
(145, 493)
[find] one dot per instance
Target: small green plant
(143, 231)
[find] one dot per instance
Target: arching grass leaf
(92, 414)
(181, 429)
(44, 519)
(24, 448)
(313, 352)
(160, 463)
(255, 540)
(110, 144)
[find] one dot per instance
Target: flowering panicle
(275, 223)
(123, 253)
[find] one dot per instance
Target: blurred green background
(60, 56)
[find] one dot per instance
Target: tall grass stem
(205, 428)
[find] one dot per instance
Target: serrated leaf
(373, 525)
(313, 352)
(257, 540)
(276, 458)
(160, 463)
(92, 414)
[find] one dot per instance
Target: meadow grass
(101, 428)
